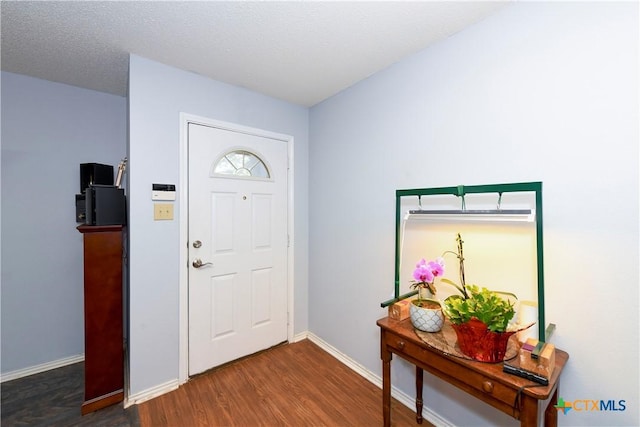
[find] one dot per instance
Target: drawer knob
(401, 344)
(487, 386)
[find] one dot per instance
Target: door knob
(198, 263)
(197, 244)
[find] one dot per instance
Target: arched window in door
(241, 163)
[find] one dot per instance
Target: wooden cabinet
(103, 316)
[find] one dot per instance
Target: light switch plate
(162, 211)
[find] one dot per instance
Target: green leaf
(487, 306)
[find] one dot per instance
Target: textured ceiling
(301, 52)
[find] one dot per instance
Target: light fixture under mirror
(442, 207)
(525, 215)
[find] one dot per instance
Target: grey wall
(157, 96)
(48, 129)
(537, 92)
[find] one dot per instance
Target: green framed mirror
(501, 225)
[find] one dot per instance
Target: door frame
(183, 213)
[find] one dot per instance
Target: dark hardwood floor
(289, 385)
(54, 398)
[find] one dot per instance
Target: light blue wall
(538, 91)
(157, 96)
(48, 129)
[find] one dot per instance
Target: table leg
(419, 380)
(551, 412)
(386, 387)
(529, 412)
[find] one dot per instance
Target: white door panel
(238, 302)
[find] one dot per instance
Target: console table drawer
(486, 386)
(450, 371)
(404, 346)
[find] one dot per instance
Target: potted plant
(480, 317)
(425, 312)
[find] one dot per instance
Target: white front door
(237, 245)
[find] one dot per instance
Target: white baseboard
(150, 393)
(396, 393)
(25, 372)
(361, 370)
(161, 389)
(301, 336)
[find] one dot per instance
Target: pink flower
(426, 272)
(437, 267)
(423, 272)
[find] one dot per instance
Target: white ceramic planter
(426, 319)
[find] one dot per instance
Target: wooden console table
(486, 381)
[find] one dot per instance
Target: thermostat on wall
(163, 192)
